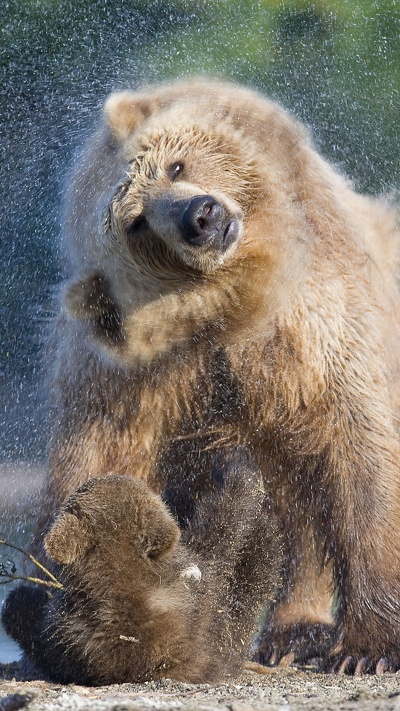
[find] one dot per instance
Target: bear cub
(140, 599)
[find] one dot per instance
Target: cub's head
(115, 519)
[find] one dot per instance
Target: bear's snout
(201, 219)
(204, 221)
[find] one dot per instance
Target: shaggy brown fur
(227, 282)
(138, 603)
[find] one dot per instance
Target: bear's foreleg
(300, 626)
(362, 485)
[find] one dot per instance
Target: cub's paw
(298, 643)
(22, 614)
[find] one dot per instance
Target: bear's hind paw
(358, 666)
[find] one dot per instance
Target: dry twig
(11, 572)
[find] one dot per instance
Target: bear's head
(182, 187)
(112, 519)
(188, 189)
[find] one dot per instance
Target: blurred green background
(334, 63)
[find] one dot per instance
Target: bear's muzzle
(203, 221)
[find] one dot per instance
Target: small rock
(13, 702)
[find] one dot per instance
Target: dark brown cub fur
(139, 603)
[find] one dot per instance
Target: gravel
(275, 689)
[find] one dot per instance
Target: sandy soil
(281, 689)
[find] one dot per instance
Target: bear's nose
(201, 219)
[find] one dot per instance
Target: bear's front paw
(298, 643)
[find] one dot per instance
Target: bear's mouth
(218, 239)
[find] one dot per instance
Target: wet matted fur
(226, 282)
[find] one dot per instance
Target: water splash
(336, 65)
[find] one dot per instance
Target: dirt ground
(280, 689)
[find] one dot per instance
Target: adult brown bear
(227, 283)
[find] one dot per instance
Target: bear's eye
(175, 170)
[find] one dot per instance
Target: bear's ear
(68, 539)
(161, 536)
(90, 298)
(125, 111)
